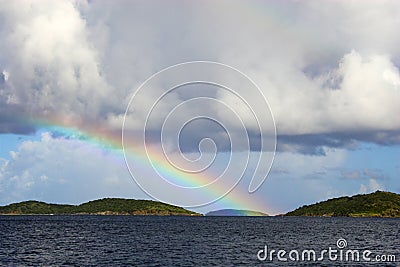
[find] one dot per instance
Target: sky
(318, 81)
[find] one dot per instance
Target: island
(377, 204)
(234, 212)
(105, 206)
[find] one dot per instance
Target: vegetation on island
(378, 204)
(106, 206)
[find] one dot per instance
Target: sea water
(197, 241)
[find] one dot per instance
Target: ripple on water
(184, 241)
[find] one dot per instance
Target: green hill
(378, 204)
(106, 206)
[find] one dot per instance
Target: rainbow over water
(110, 141)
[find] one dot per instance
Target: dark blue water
(188, 241)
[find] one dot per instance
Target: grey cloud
(316, 144)
(350, 174)
(376, 174)
(279, 171)
(329, 71)
(316, 175)
(12, 120)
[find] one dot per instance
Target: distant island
(378, 204)
(105, 206)
(233, 212)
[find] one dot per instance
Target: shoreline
(195, 215)
(98, 214)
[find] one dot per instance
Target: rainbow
(235, 212)
(110, 141)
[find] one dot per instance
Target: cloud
(329, 71)
(59, 170)
(279, 171)
(52, 69)
(372, 186)
(350, 174)
(4, 76)
(375, 174)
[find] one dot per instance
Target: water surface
(185, 241)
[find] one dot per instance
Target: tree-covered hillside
(378, 204)
(101, 206)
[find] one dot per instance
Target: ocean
(198, 241)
